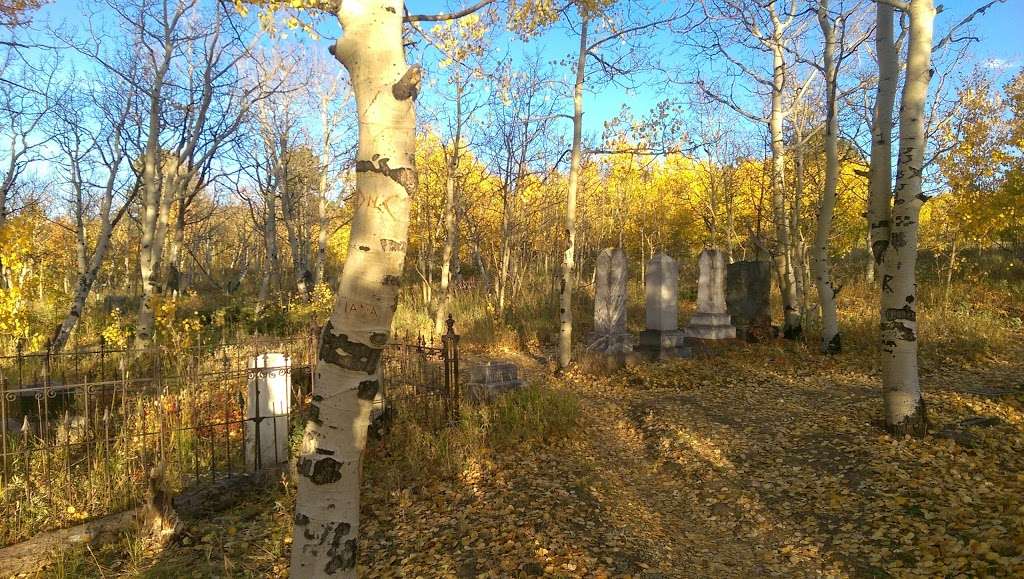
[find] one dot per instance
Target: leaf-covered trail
(759, 461)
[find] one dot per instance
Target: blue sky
(999, 49)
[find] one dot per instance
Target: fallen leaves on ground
(763, 460)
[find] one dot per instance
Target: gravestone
(712, 320)
(662, 337)
(266, 412)
(610, 334)
(747, 297)
(488, 380)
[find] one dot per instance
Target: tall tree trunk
(174, 257)
(879, 212)
(904, 404)
(796, 233)
(831, 343)
(949, 270)
(450, 225)
(271, 267)
(292, 215)
(506, 249)
(321, 215)
(792, 327)
(568, 259)
(327, 501)
(154, 231)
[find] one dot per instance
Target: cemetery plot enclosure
(82, 429)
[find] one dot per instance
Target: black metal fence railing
(424, 369)
(80, 429)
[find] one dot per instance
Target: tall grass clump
(965, 322)
(420, 446)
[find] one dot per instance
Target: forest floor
(757, 460)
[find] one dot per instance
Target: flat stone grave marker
(490, 379)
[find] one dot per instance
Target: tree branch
(897, 4)
(949, 36)
(447, 15)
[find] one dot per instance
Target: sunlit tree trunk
(880, 172)
(506, 249)
(822, 268)
(904, 404)
(174, 254)
(792, 327)
(450, 216)
(795, 232)
(568, 259)
(151, 243)
(272, 265)
(156, 214)
(320, 260)
(327, 500)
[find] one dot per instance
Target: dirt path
(744, 469)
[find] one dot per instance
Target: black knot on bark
(320, 471)
(408, 86)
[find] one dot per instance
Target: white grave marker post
(266, 413)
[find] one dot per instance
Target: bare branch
(447, 15)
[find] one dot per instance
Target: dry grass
(771, 448)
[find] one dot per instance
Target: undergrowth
(416, 448)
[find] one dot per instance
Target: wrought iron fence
(424, 370)
(80, 429)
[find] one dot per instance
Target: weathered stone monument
(488, 380)
(662, 337)
(712, 321)
(266, 413)
(610, 334)
(747, 297)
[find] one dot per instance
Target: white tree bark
(568, 258)
(880, 171)
(904, 404)
(450, 216)
(272, 266)
(792, 326)
(89, 262)
(822, 268)
(327, 501)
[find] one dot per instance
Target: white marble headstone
(711, 284)
(712, 320)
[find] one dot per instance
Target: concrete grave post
(267, 408)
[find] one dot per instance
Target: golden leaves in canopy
(528, 17)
